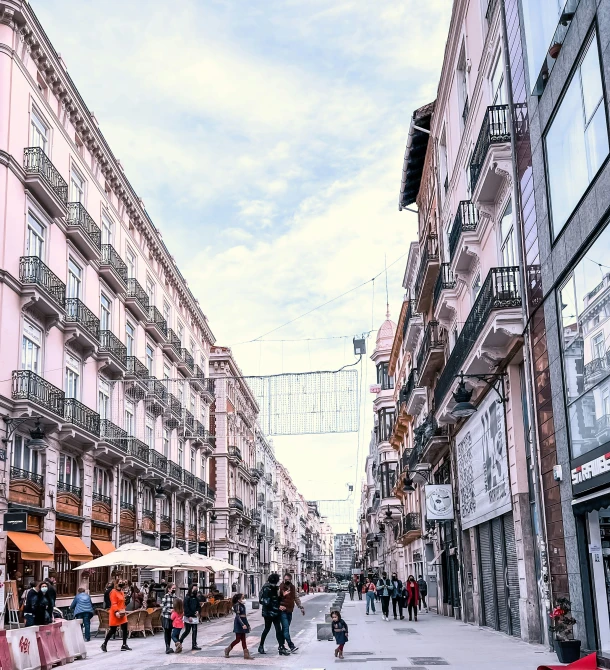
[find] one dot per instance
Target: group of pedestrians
(408, 596)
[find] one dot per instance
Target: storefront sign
(484, 487)
(439, 502)
(15, 521)
(598, 466)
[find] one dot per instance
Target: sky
(266, 140)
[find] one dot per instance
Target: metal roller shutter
(488, 590)
(500, 574)
(513, 573)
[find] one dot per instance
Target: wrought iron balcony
(156, 324)
(136, 299)
(113, 268)
(236, 503)
(431, 352)
(187, 358)
(158, 461)
(174, 470)
(135, 368)
(495, 129)
(99, 497)
(426, 274)
(44, 178)
(80, 415)
(27, 385)
(76, 491)
(138, 449)
(110, 344)
(18, 473)
(111, 433)
(500, 290)
(33, 271)
(445, 280)
(466, 220)
(83, 230)
(77, 312)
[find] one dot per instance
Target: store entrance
(598, 532)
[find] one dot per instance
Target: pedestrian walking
(42, 606)
(412, 590)
(191, 616)
(370, 590)
(167, 606)
(117, 616)
(397, 595)
(288, 599)
(269, 598)
(177, 623)
(384, 589)
(423, 592)
(241, 627)
(351, 590)
(340, 632)
(83, 610)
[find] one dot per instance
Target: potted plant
(566, 647)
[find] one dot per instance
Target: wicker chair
(204, 612)
(103, 618)
(155, 615)
(135, 622)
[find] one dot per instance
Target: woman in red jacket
(117, 615)
(412, 596)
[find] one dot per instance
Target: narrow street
(430, 642)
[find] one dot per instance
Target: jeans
(86, 619)
(286, 619)
(272, 621)
(385, 605)
(396, 601)
(422, 600)
(188, 627)
(370, 601)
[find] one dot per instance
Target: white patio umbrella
(132, 554)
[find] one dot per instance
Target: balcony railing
(80, 415)
(110, 432)
(135, 291)
(158, 461)
(155, 317)
(499, 291)
(18, 473)
(466, 219)
(78, 312)
(136, 368)
(429, 253)
(111, 258)
(174, 470)
(445, 280)
(174, 341)
(33, 271)
(236, 503)
(79, 217)
(187, 357)
(76, 491)
(99, 497)
(27, 385)
(111, 344)
(35, 161)
(434, 338)
(494, 130)
(138, 449)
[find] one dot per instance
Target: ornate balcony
(112, 354)
(28, 386)
(83, 231)
(82, 327)
(491, 157)
(80, 415)
(136, 369)
(409, 528)
(429, 265)
(431, 355)
(136, 300)
(44, 180)
(464, 236)
(172, 346)
(443, 290)
(493, 327)
(156, 325)
(186, 363)
(113, 269)
(41, 289)
(112, 435)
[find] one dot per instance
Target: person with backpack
(397, 595)
(385, 590)
(412, 596)
(370, 590)
(423, 592)
(269, 599)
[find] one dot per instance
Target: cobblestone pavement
(431, 642)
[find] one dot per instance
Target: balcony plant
(562, 626)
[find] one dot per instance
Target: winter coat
(241, 619)
(269, 598)
(340, 631)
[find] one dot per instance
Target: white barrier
(73, 638)
(24, 648)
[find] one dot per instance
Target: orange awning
(103, 546)
(31, 546)
(77, 551)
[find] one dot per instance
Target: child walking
(241, 627)
(177, 623)
(340, 631)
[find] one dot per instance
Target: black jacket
(191, 605)
(269, 598)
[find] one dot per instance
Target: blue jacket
(82, 603)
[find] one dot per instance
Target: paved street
(430, 642)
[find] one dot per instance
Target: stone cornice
(20, 16)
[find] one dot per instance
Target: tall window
(129, 422)
(103, 402)
(150, 359)
(75, 277)
(130, 261)
(107, 229)
(149, 431)
(31, 348)
(77, 187)
(72, 377)
(23, 458)
(39, 131)
(105, 312)
(69, 472)
(577, 140)
(101, 482)
(34, 243)
(130, 339)
(508, 242)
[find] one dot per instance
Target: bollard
(324, 631)
(73, 640)
(23, 648)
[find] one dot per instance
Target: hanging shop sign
(484, 486)
(439, 502)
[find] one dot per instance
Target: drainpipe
(544, 588)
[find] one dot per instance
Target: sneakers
(124, 647)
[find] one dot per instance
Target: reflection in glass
(585, 313)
